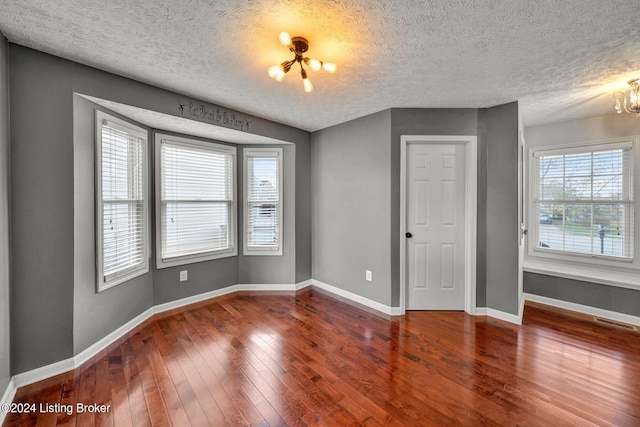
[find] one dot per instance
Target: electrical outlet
(184, 275)
(368, 275)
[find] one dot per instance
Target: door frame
(471, 211)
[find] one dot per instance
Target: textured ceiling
(561, 59)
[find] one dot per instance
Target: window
(195, 198)
(583, 201)
(263, 201)
(121, 201)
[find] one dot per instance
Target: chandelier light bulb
(329, 67)
(273, 71)
(314, 64)
(308, 87)
(279, 75)
(285, 39)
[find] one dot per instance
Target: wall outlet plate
(368, 275)
(184, 275)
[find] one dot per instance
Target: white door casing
(438, 206)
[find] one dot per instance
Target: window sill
(623, 278)
(262, 252)
(103, 286)
(191, 259)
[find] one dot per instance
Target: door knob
(408, 235)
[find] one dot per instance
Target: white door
(435, 226)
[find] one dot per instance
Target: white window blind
(122, 201)
(584, 200)
(197, 203)
(263, 206)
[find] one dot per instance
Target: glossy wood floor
(311, 359)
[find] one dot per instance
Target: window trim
(594, 268)
(262, 152)
(207, 256)
(130, 272)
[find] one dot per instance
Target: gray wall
(607, 297)
(611, 298)
(5, 260)
(421, 121)
(41, 125)
(502, 238)
(303, 212)
(481, 236)
(48, 326)
(350, 185)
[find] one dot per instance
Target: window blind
(197, 200)
(584, 200)
(263, 217)
(123, 201)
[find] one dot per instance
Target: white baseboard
(480, 311)
(304, 284)
(585, 309)
(7, 397)
(43, 372)
(507, 317)
(392, 311)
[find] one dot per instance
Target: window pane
(263, 176)
(195, 174)
(263, 214)
(572, 215)
(610, 227)
(123, 236)
(197, 205)
(263, 225)
(194, 227)
(123, 204)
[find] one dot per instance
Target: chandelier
(633, 103)
(298, 46)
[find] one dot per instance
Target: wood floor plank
(119, 398)
(309, 359)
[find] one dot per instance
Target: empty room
(332, 213)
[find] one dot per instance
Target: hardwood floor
(312, 359)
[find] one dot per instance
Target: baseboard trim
(304, 284)
(480, 311)
(7, 397)
(584, 309)
(43, 372)
(501, 315)
(507, 317)
(392, 311)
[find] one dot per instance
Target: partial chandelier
(633, 103)
(299, 45)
